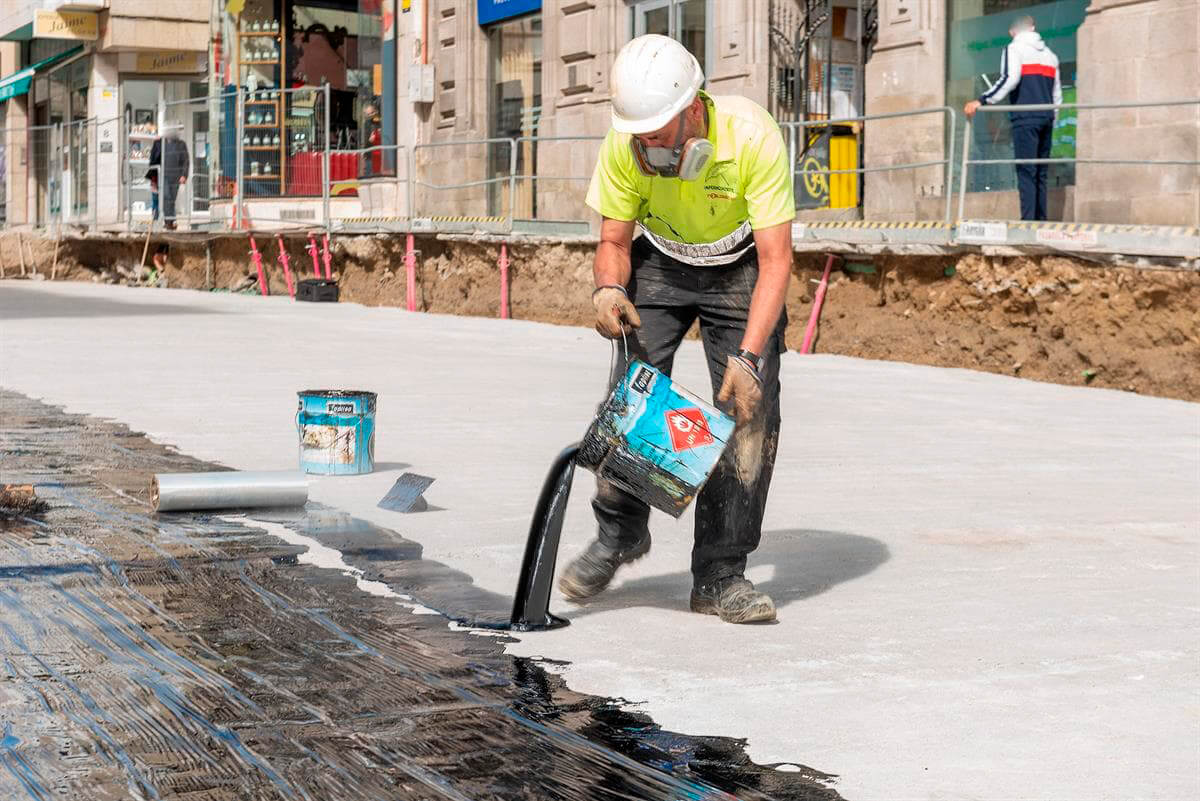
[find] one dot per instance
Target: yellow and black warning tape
(878, 224)
(451, 218)
(1106, 228)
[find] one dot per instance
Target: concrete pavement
(988, 587)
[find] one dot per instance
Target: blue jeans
(1031, 140)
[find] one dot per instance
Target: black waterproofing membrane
(193, 655)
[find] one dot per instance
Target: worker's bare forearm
(612, 266)
(774, 247)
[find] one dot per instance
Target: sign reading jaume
(66, 25)
(172, 61)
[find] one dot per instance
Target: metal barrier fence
(267, 143)
(281, 147)
(792, 136)
(567, 201)
(509, 183)
(967, 161)
(29, 156)
(462, 203)
(364, 163)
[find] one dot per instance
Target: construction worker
(707, 180)
(1029, 72)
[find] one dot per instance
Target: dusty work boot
(734, 600)
(591, 572)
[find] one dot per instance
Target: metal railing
(1055, 107)
(417, 183)
(506, 209)
(945, 162)
(537, 180)
(59, 170)
(390, 157)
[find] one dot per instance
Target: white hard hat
(653, 79)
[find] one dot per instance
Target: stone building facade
(71, 71)
(497, 106)
(924, 54)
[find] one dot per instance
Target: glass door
(516, 107)
(79, 134)
(140, 107)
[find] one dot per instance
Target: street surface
(987, 587)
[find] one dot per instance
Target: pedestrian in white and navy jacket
(1029, 73)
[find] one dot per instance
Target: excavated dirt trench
(1049, 318)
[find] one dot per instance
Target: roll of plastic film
(177, 492)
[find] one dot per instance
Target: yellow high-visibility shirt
(748, 179)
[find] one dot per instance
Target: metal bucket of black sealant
(653, 439)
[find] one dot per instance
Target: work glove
(742, 385)
(615, 315)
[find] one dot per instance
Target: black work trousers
(669, 296)
(1031, 140)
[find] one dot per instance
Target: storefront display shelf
(267, 101)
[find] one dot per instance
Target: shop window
(281, 55)
(345, 43)
(685, 20)
(79, 135)
(516, 106)
(60, 98)
(977, 35)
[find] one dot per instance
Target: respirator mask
(685, 161)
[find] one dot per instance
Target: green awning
(18, 83)
(21, 34)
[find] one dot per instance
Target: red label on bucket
(688, 428)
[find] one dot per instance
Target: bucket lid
(337, 393)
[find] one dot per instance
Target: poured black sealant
(176, 655)
(531, 605)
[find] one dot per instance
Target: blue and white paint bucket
(337, 431)
(655, 440)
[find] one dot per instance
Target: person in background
(1029, 74)
(168, 171)
(373, 138)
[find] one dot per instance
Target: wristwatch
(753, 358)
